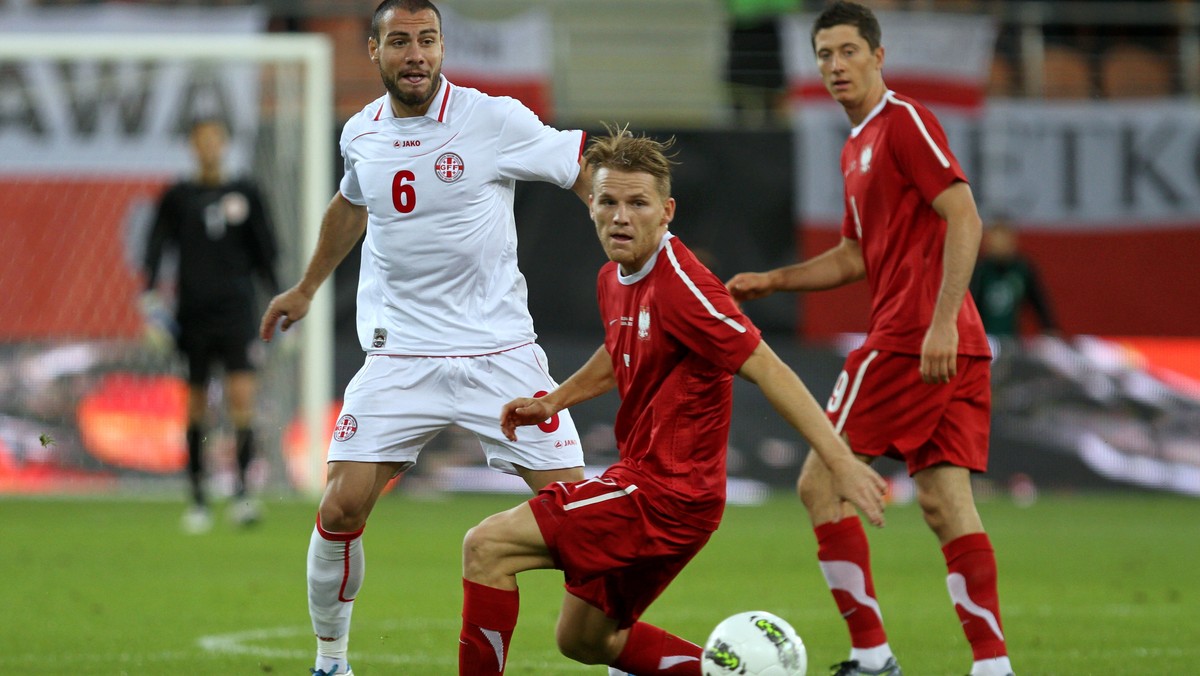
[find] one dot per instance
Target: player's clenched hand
(523, 411)
(749, 286)
(291, 306)
(939, 354)
(863, 487)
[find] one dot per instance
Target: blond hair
(621, 150)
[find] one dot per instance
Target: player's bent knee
(814, 491)
(933, 510)
(474, 543)
(583, 649)
(480, 552)
(337, 518)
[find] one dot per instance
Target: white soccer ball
(754, 643)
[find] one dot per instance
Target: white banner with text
(1061, 166)
(107, 116)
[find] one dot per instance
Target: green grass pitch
(1089, 585)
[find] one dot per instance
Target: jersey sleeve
(699, 312)
(349, 186)
(531, 151)
(264, 249)
(163, 231)
(849, 226)
(922, 152)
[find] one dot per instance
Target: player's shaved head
(410, 6)
(621, 150)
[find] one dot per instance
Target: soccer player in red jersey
(918, 389)
(673, 341)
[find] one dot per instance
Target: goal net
(92, 129)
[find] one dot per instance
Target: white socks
(997, 666)
(875, 658)
(872, 658)
(335, 573)
(332, 662)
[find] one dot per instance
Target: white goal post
(295, 70)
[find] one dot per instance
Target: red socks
(970, 561)
(971, 564)
(846, 563)
(489, 617)
(650, 650)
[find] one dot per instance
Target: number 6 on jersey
(404, 195)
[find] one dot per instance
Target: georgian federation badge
(449, 167)
(346, 426)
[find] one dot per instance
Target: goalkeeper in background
(222, 231)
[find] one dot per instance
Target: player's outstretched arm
(592, 379)
(840, 265)
(852, 480)
(341, 227)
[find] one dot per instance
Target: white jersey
(439, 270)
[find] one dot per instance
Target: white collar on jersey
(437, 109)
(871, 115)
(640, 274)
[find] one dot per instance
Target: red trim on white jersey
(441, 116)
(445, 100)
(582, 142)
(365, 133)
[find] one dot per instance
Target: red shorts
(616, 551)
(881, 404)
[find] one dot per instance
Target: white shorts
(395, 405)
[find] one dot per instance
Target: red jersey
(675, 338)
(894, 164)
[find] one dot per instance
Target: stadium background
(1077, 121)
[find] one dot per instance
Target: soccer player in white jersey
(442, 313)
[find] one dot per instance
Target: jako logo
(405, 144)
(567, 442)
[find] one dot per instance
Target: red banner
(506, 57)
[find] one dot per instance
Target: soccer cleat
(196, 520)
(334, 672)
(245, 512)
(851, 668)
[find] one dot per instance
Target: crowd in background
(1069, 49)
